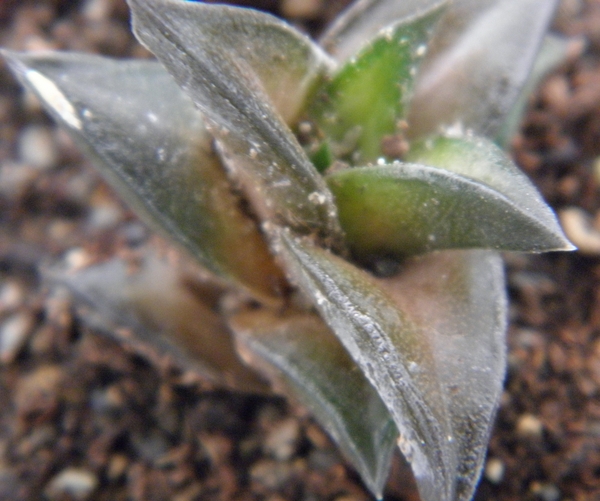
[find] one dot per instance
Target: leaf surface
(318, 370)
(160, 307)
(229, 60)
(367, 97)
(459, 193)
(481, 160)
(431, 341)
(152, 146)
(364, 19)
(554, 52)
(474, 78)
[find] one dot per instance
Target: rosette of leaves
(347, 202)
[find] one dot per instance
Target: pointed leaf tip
(152, 146)
(527, 223)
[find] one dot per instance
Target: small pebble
(117, 466)
(529, 425)
(37, 148)
(281, 441)
(14, 333)
(15, 177)
(12, 296)
(577, 225)
(494, 470)
(218, 447)
(96, 10)
(38, 387)
(150, 447)
(74, 482)
(271, 474)
(545, 492)
(302, 9)
(76, 259)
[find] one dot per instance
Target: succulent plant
(346, 201)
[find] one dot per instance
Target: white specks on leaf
(421, 50)
(317, 198)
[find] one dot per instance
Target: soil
(84, 417)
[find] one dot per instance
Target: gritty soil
(84, 417)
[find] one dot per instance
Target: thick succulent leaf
(483, 162)
(152, 146)
(555, 51)
(461, 309)
(319, 372)
(367, 97)
(475, 81)
(431, 341)
(473, 197)
(364, 19)
(228, 60)
(157, 305)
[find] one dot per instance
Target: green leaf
(160, 309)
(474, 79)
(317, 369)
(482, 161)
(462, 193)
(364, 19)
(228, 59)
(431, 341)
(152, 146)
(367, 97)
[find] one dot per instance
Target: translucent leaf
(482, 161)
(431, 341)
(475, 81)
(317, 369)
(555, 51)
(151, 144)
(164, 307)
(364, 19)
(367, 97)
(228, 60)
(477, 199)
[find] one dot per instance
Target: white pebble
(13, 335)
(494, 470)
(75, 482)
(37, 148)
(529, 425)
(578, 228)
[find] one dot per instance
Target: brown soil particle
(84, 417)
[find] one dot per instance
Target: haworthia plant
(347, 201)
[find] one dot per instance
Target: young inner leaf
(366, 99)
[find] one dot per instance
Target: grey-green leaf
(367, 98)
(152, 146)
(431, 341)
(476, 79)
(160, 308)
(459, 193)
(320, 373)
(364, 19)
(229, 60)
(480, 160)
